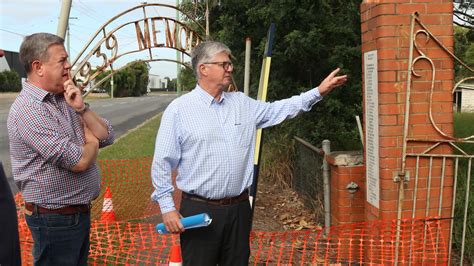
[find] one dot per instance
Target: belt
(227, 201)
(68, 210)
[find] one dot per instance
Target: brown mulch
(276, 209)
(281, 209)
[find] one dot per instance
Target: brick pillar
(347, 187)
(385, 27)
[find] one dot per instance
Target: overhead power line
(12, 32)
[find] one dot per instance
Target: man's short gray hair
(35, 47)
(204, 52)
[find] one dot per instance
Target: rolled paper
(195, 221)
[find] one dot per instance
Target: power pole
(69, 39)
(112, 87)
(64, 18)
(248, 44)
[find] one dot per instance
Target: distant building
(156, 83)
(464, 98)
(10, 61)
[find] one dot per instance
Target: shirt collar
(206, 97)
(35, 91)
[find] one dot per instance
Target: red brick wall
(346, 207)
(385, 27)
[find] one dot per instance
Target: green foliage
(131, 81)
(3, 81)
(277, 159)
(106, 84)
(464, 127)
(464, 50)
(312, 38)
(172, 84)
(187, 79)
(139, 70)
(10, 81)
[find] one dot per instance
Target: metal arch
(113, 71)
(110, 44)
(111, 35)
(102, 28)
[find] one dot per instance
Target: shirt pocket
(243, 134)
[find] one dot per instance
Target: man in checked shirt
(208, 135)
(54, 141)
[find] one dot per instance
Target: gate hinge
(399, 176)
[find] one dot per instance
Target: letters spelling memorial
(173, 39)
(154, 32)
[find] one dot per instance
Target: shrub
(131, 81)
(10, 81)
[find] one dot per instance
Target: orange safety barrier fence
(354, 244)
(130, 185)
(123, 231)
(422, 242)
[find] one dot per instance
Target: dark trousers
(60, 239)
(224, 242)
(9, 241)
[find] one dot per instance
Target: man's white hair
(204, 52)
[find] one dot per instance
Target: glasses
(226, 65)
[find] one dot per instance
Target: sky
(19, 18)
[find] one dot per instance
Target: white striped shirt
(212, 144)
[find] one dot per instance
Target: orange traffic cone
(175, 256)
(108, 213)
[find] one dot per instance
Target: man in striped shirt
(54, 141)
(208, 135)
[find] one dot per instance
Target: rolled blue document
(195, 221)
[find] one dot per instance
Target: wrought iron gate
(435, 177)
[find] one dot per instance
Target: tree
(312, 38)
(187, 79)
(464, 50)
(131, 81)
(3, 81)
(172, 84)
(10, 81)
(139, 70)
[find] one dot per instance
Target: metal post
(178, 57)
(64, 18)
(326, 184)
(248, 43)
(112, 87)
(207, 19)
(361, 132)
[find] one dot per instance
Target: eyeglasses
(226, 65)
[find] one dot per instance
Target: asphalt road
(123, 113)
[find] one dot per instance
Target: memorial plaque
(372, 127)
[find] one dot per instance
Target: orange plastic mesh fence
(130, 185)
(352, 244)
(122, 231)
(127, 243)
(134, 243)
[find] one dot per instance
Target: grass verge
(137, 143)
(464, 127)
(125, 169)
